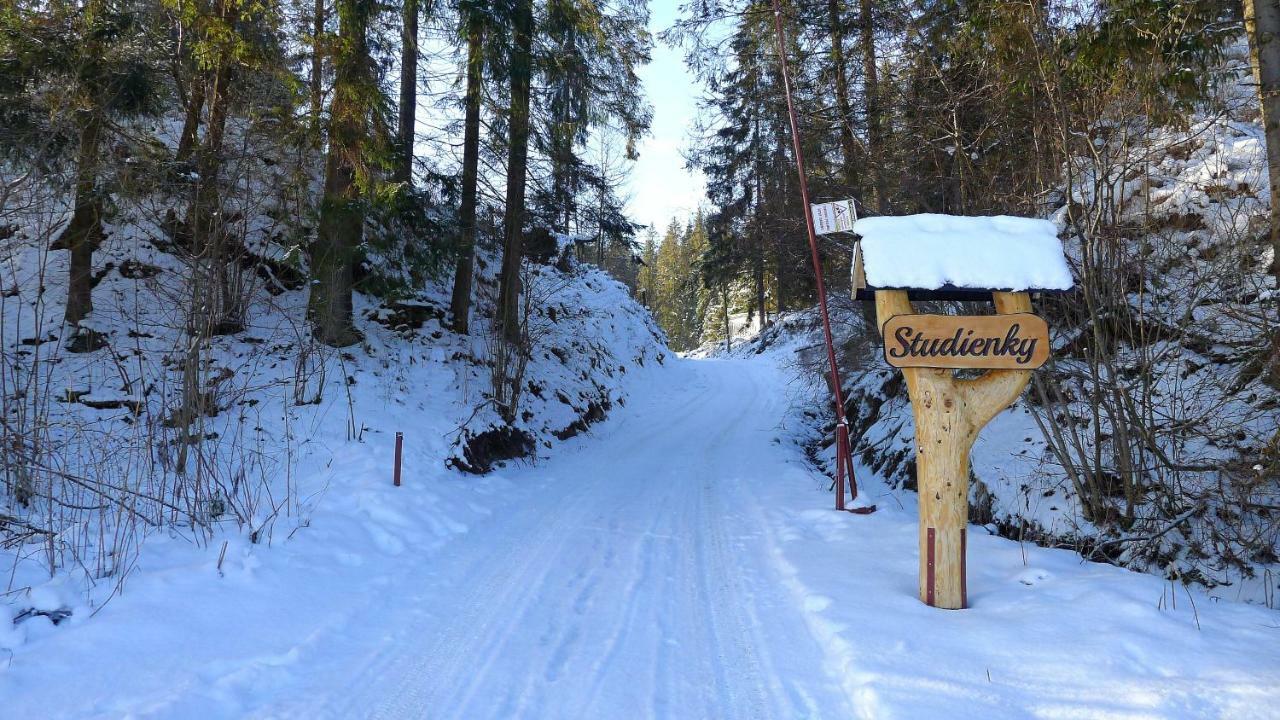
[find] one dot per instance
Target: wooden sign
(1018, 341)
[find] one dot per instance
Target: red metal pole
(844, 459)
(399, 447)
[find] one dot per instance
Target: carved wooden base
(948, 414)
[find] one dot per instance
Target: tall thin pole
(844, 460)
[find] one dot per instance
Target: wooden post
(949, 413)
(395, 478)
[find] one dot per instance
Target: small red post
(399, 448)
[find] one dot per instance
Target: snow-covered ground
(678, 560)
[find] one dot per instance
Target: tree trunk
(220, 311)
(191, 123)
(758, 271)
(728, 329)
(848, 144)
(1262, 25)
(341, 227)
(781, 199)
(779, 273)
(408, 91)
(317, 63)
(508, 319)
(758, 255)
(875, 126)
(460, 306)
(84, 233)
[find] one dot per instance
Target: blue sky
(660, 187)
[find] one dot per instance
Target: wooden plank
(858, 278)
(1018, 341)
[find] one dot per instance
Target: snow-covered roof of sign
(933, 252)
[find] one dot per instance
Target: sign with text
(1018, 341)
(833, 217)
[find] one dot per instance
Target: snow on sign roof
(932, 252)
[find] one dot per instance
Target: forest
(219, 153)
(967, 108)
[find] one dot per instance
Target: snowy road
(636, 583)
(678, 562)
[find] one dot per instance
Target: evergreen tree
(70, 72)
(474, 23)
(648, 279)
(357, 141)
(235, 60)
(588, 64)
(520, 69)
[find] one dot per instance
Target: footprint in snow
(1033, 576)
(385, 541)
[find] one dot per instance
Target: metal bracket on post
(842, 442)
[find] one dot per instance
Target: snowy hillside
(1190, 333)
(291, 465)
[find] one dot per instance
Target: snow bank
(935, 251)
(316, 530)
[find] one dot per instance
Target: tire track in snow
(642, 560)
(477, 619)
(629, 585)
(392, 684)
(717, 561)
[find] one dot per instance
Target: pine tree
(648, 276)
(520, 73)
(473, 21)
(355, 140)
(97, 52)
(746, 160)
(232, 49)
(669, 277)
(590, 91)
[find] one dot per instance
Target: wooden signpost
(950, 411)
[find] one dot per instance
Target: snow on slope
(682, 562)
(304, 440)
(1016, 489)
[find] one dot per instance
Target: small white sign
(834, 217)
